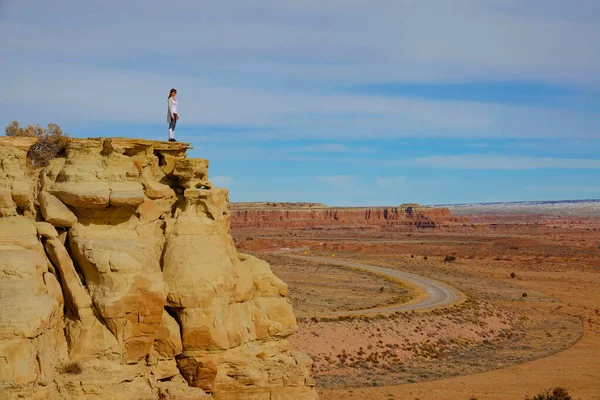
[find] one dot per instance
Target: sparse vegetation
(73, 368)
(524, 294)
(513, 275)
(557, 393)
(51, 141)
(450, 258)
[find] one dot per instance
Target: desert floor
(509, 337)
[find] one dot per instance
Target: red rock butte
(317, 215)
(119, 279)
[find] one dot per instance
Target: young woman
(172, 116)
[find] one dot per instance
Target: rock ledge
(119, 279)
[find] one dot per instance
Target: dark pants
(173, 122)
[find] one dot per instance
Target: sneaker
(172, 140)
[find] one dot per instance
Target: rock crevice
(117, 258)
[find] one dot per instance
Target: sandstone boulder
(78, 298)
(46, 230)
(82, 194)
(126, 194)
(198, 265)
(266, 284)
(126, 286)
(32, 342)
(21, 194)
(193, 173)
(55, 212)
(157, 190)
(8, 208)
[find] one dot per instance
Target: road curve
(435, 294)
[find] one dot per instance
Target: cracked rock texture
(119, 280)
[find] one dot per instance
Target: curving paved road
(436, 294)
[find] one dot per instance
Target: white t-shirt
(174, 106)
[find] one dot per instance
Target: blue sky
(341, 102)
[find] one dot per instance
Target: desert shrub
(513, 275)
(73, 368)
(51, 141)
(449, 258)
(13, 129)
(557, 393)
(524, 294)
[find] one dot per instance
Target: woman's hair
(171, 92)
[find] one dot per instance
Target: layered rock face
(119, 279)
(315, 215)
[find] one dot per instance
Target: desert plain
(525, 318)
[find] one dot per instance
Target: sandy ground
(576, 369)
(549, 338)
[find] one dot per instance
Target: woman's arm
(170, 112)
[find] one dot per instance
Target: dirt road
(431, 293)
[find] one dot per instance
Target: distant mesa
(276, 205)
(318, 215)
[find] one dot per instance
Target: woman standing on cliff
(172, 116)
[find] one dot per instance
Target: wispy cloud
(513, 79)
(400, 40)
(565, 188)
(498, 162)
(335, 148)
(290, 89)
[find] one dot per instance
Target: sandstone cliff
(315, 215)
(119, 280)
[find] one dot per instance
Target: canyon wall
(119, 280)
(316, 215)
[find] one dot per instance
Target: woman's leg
(172, 128)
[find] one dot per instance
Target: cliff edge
(119, 279)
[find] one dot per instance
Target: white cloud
(497, 162)
(565, 188)
(222, 180)
(390, 181)
(338, 39)
(35, 94)
(270, 63)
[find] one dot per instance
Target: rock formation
(316, 215)
(119, 279)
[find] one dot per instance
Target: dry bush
(557, 393)
(450, 258)
(50, 142)
(73, 368)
